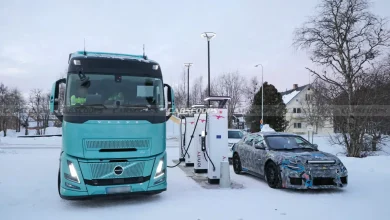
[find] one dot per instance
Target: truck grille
(116, 144)
(106, 170)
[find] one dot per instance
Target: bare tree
(251, 88)
(180, 91)
(45, 115)
(17, 104)
(315, 106)
(36, 101)
(230, 84)
(4, 108)
(344, 38)
(196, 94)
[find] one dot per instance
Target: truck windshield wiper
(137, 106)
(93, 105)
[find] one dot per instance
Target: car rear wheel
(237, 164)
(272, 175)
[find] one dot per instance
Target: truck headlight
(160, 169)
(73, 173)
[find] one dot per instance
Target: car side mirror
(315, 146)
(260, 146)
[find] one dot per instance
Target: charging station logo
(218, 116)
(202, 120)
(192, 122)
(223, 158)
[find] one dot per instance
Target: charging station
(190, 157)
(182, 139)
(216, 138)
(201, 163)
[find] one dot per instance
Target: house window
(296, 110)
(297, 125)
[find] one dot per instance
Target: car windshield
(109, 90)
(235, 134)
(287, 142)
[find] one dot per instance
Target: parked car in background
(288, 161)
(234, 136)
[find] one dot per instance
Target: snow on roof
(267, 128)
(113, 56)
(287, 98)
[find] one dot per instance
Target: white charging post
(201, 163)
(182, 143)
(190, 157)
(217, 138)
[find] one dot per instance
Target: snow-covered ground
(28, 190)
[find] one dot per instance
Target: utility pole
(262, 94)
(188, 65)
(208, 36)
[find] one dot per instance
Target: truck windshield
(114, 90)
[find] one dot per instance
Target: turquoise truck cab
(114, 115)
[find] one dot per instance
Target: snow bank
(287, 98)
(267, 128)
(324, 144)
(31, 132)
(366, 196)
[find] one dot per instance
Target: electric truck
(113, 111)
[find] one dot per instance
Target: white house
(298, 110)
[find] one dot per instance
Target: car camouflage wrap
(299, 169)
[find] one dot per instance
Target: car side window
(248, 140)
(259, 140)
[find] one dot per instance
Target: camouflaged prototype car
(288, 161)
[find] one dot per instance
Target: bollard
(225, 175)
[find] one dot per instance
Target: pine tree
(274, 109)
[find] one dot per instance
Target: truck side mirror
(170, 101)
(54, 101)
(315, 146)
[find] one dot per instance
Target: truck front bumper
(82, 185)
(100, 191)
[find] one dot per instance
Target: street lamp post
(208, 36)
(188, 65)
(262, 93)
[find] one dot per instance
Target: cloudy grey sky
(36, 37)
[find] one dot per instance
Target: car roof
(272, 133)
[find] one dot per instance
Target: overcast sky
(37, 36)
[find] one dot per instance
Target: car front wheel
(272, 174)
(237, 164)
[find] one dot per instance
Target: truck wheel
(237, 164)
(272, 175)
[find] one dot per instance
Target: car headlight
(73, 173)
(160, 169)
(294, 164)
(343, 168)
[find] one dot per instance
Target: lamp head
(208, 35)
